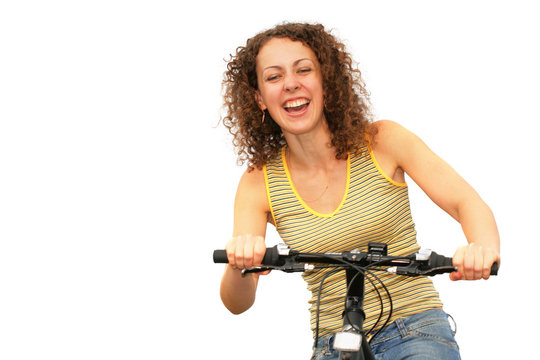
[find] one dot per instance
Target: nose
(291, 83)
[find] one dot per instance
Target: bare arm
(400, 150)
(246, 247)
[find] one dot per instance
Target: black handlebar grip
(494, 268)
(436, 260)
(220, 257)
(271, 257)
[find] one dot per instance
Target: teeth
(295, 103)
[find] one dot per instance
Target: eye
(304, 70)
(272, 77)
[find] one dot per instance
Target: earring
(264, 113)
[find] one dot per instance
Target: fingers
(455, 276)
(259, 250)
(473, 262)
(457, 260)
(245, 251)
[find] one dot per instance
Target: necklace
(325, 188)
(320, 196)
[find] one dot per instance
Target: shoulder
(252, 187)
(392, 138)
(386, 130)
(253, 176)
(397, 149)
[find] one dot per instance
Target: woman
(332, 180)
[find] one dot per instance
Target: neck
(313, 150)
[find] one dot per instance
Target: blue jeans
(424, 336)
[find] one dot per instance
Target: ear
(259, 100)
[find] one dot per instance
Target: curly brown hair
(346, 103)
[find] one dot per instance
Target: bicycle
(351, 341)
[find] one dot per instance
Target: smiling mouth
(296, 105)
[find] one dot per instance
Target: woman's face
(290, 85)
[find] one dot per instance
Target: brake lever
(437, 270)
(417, 271)
(256, 269)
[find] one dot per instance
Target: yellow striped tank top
(373, 208)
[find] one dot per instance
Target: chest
(321, 191)
(365, 207)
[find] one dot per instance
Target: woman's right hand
(244, 251)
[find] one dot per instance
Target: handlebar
(357, 265)
(425, 262)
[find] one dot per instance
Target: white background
(117, 180)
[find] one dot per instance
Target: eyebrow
(294, 64)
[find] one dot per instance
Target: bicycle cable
(317, 313)
(359, 270)
(391, 305)
(381, 313)
(367, 274)
(373, 279)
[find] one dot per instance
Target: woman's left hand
(474, 262)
